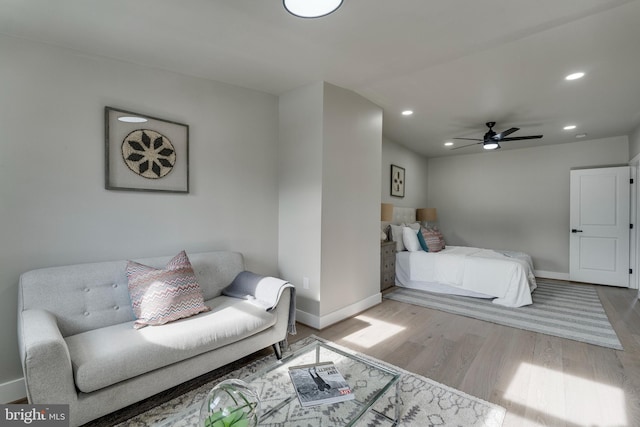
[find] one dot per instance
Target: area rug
(423, 402)
(560, 309)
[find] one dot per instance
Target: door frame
(634, 249)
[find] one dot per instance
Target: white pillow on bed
(410, 239)
(414, 226)
(396, 236)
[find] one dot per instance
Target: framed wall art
(397, 181)
(144, 153)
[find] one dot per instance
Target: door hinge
(631, 271)
(631, 226)
(631, 180)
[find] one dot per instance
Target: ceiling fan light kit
(311, 8)
(491, 139)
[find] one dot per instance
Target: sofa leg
(277, 350)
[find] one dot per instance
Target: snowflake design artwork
(148, 153)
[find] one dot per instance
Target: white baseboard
(320, 322)
(12, 391)
(307, 319)
(551, 275)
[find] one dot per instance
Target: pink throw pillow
(161, 296)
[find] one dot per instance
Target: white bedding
(505, 276)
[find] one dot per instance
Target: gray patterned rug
(423, 402)
(560, 309)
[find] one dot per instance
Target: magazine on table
(319, 383)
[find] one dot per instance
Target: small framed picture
(144, 153)
(397, 181)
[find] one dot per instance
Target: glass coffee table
(370, 382)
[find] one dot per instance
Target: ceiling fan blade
(471, 139)
(501, 135)
(519, 138)
(465, 146)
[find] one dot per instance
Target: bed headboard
(403, 215)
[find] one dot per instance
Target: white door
(599, 235)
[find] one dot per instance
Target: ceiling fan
(491, 140)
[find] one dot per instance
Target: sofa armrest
(278, 292)
(283, 311)
(45, 359)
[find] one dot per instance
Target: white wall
(634, 142)
(54, 209)
(416, 175)
(516, 199)
(300, 192)
(330, 201)
(350, 202)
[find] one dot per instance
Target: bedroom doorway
(600, 226)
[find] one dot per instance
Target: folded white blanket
(263, 291)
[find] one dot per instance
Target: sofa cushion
(89, 296)
(106, 356)
(159, 296)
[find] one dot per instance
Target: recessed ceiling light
(581, 135)
(448, 144)
(407, 112)
(574, 76)
(569, 127)
(311, 8)
(132, 119)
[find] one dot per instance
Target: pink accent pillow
(433, 239)
(162, 296)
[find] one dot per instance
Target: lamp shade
(311, 8)
(427, 214)
(386, 213)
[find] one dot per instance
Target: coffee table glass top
(368, 380)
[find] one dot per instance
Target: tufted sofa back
(84, 297)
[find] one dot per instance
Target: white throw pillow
(396, 236)
(410, 239)
(414, 226)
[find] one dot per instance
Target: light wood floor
(540, 380)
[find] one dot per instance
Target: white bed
(507, 277)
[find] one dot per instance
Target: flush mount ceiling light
(569, 127)
(132, 119)
(575, 76)
(407, 112)
(311, 8)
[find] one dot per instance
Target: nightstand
(387, 264)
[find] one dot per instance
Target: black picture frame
(397, 181)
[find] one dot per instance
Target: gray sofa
(78, 345)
